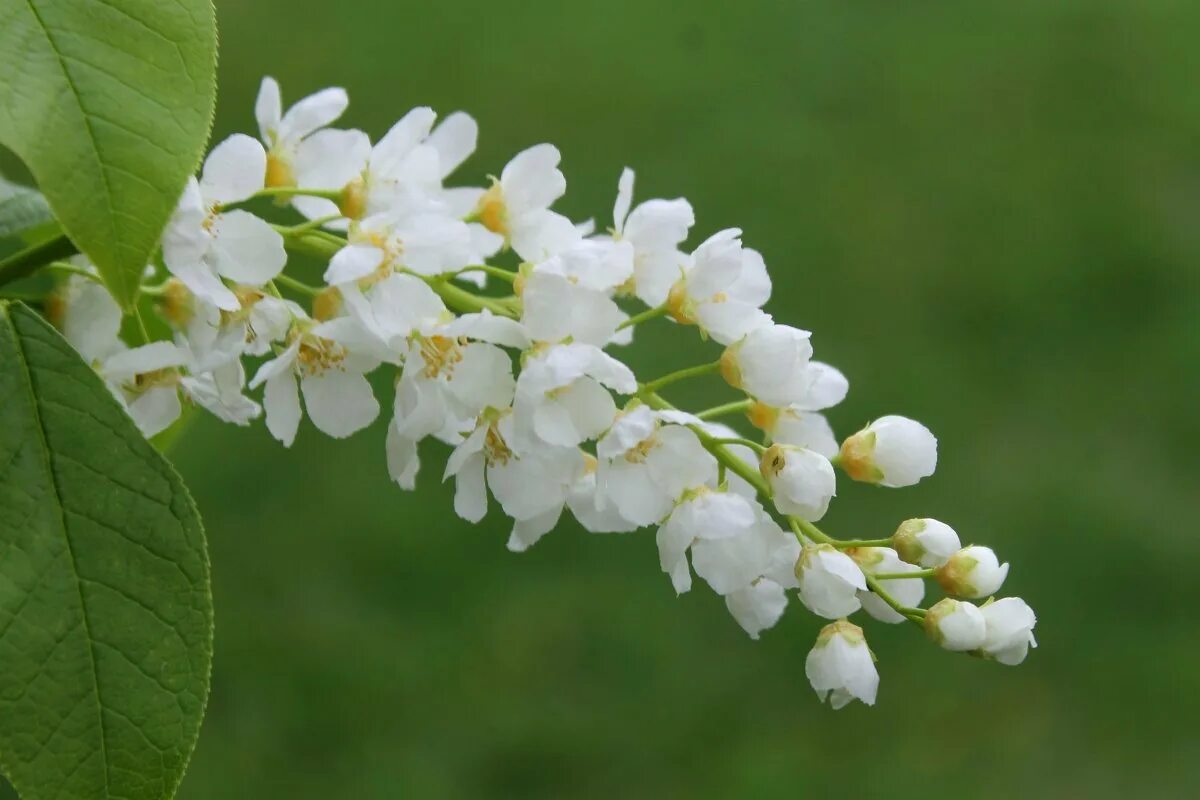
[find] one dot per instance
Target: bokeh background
(989, 214)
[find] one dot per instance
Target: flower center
(441, 354)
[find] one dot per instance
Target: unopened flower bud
(926, 542)
(841, 667)
(327, 304)
(770, 363)
(177, 303)
(972, 572)
(1010, 625)
(829, 581)
(802, 482)
(891, 451)
(956, 625)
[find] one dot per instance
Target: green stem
(64, 268)
(680, 375)
(726, 409)
(508, 276)
(294, 191)
(862, 543)
(297, 286)
(913, 615)
(648, 314)
(311, 225)
(755, 446)
(25, 262)
(467, 302)
(896, 576)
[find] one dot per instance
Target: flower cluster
(513, 369)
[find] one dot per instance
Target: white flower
(841, 666)
(220, 392)
(926, 542)
(427, 242)
(655, 228)
(973, 572)
(771, 364)
(802, 482)
(1010, 625)
(758, 606)
(791, 426)
(704, 515)
(532, 487)
(593, 509)
(907, 591)
(956, 625)
(891, 451)
(146, 381)
(724, 290)
(517, 206)
(203, 244)
(561, 395)
(301, 151)
(731, 563)
(332, 379)
(829, 581)
(645, 466)
(555, 309)
(88, 317)
(600, 264)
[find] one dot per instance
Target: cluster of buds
(512, 368)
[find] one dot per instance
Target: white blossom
(830, 581)
(972, 572)
(724, 290)
(841, 667)
(1010, 625)
(563, 395)
(704, 515)
(891, 451)
(926, 542)
(802, 482)
(655, 229)
(145, 380)
(956, 625)
(771, 364)
(517, 206)
(204, 244)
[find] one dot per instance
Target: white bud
(1009, 630)
(973, 572)
(802, 481)
(926, 542)
(841, 666)
(770, 364)
(829, 581)
(956, 625)
(906, 591)
(891, 451)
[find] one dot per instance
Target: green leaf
(109, 104)
(105, 610)
(21, 209)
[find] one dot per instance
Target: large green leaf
(21, 209)
(109, 104)
(105, 609)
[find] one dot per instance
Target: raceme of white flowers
(518, 371)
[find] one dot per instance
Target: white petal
(282, 404)
(339, 403)
(353, 262)
(390, 152)
(758, 607)
(155, 410)
(526, 533)
(234, 170)
(637, 499)
(313, 112)
(268, 109)
(140, 360)
(531, 180)
(624, 199)
(246, 249)
(331, 158)
(454, 140)
(470, 490)
(402, 459)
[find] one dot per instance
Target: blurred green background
(989, 214)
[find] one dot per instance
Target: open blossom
(655, 229)
(770, 364)
(802, 482)
(146, 381)
(645, 466)
(906, 591)
(926, 542)
(204, 244)
(956, 625)
(704, 515)
(1009, 635)
(973, 572)
(830, 581)
(724, 290)
(891, 451)
(562, 394)
(426, 242)
(301, 149)
(841, 667)
(332, 379)
(517, 206)
(556, 309)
